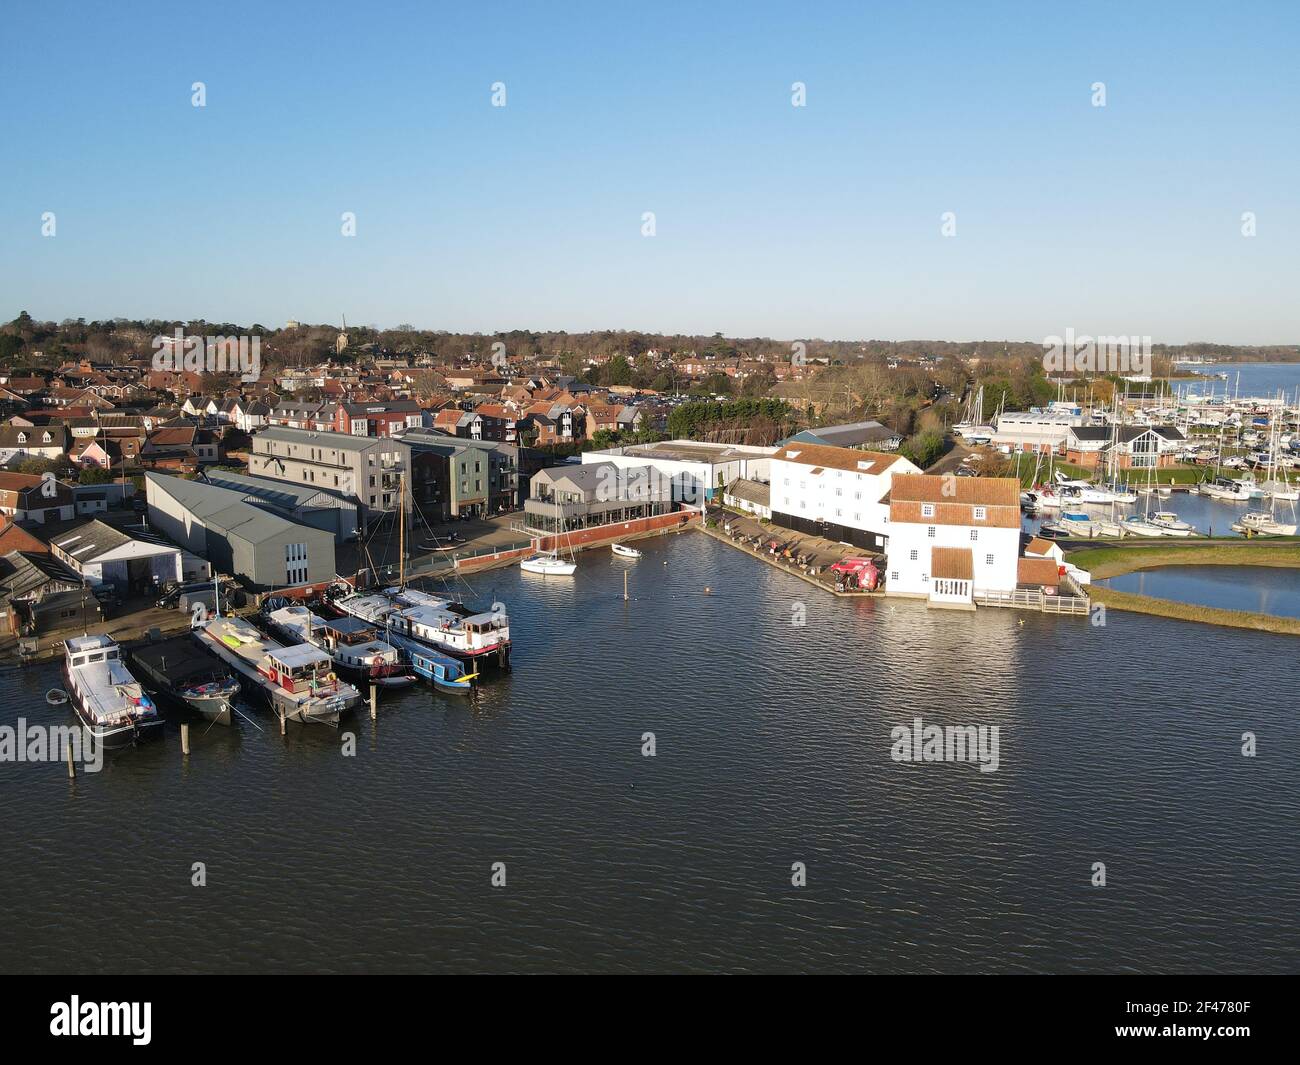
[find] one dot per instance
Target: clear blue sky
(771, 220)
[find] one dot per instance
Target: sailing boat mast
(401, 529)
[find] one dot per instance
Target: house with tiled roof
(35, 498)
(953, 537)
(49, 441)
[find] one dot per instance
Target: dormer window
(46, 438)
(22, 438)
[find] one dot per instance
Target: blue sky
(770, 220)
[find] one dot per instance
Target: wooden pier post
(282, 721)
(185, 740)
(72, 766)
(625, 586)
(374, 703)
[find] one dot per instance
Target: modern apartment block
(365, 468)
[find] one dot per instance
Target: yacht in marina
(548, 563)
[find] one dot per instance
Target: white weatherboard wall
(912, 576)
(843, 497)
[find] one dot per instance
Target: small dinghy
(623, 551)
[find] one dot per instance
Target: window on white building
(974, 534)
(912, 554)
(930, 532)
(988, 560)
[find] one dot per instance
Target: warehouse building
(237, 537)
(305, 504)
(132, 561)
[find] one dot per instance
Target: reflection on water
(1118, 744)
(1261, 589)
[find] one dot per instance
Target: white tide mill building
(950, 537)
(835, 492)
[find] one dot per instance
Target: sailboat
(972, 428)
(439, 622)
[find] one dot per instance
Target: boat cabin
(86, 650)
(349, 631)
(299, 668)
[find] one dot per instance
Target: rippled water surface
(1119, 744)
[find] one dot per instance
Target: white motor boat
(1168, 520)
(623, 551)
(1281, 490)
(1140, 526)
(1226, 490)
(1261, 521)
(109, 700)
(548, 563)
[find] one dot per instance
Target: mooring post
(185, 739)
(625, 586)
(374, 703)
(72, 766)
(282, 721)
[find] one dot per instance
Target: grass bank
(1207, 615)
(1104, 562)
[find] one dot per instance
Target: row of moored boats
(305, 666)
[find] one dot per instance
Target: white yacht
(548, 563)
(1261, 521)
(108, 699)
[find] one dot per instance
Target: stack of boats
(297, 679)
(353, 645)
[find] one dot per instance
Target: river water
(1254, 379)
(1259, 588)
(1119, 744)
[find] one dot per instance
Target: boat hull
(110, 737)
(319, 710)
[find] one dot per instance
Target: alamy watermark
(1082, 354)
(50, 743)
(211, 354)
(919, 742)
